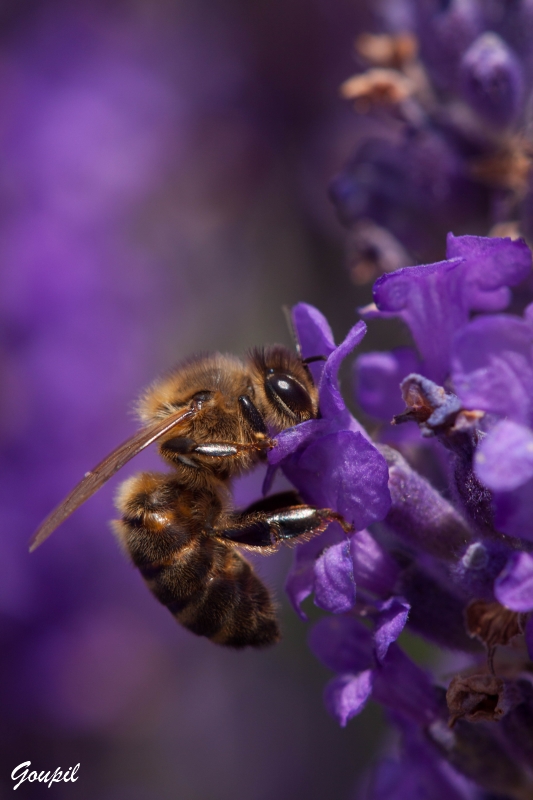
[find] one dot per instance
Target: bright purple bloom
(440, 297)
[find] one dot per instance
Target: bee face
(234, 402)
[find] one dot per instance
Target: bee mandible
(213, 419)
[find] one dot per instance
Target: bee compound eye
(288, 393)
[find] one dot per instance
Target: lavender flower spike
(456, 569)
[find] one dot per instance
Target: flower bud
(492, 80)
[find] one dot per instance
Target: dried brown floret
(492, 623)
(383, 50)
(377, 87)
(480, 698)
(508, 168)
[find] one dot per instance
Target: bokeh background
(164, 167)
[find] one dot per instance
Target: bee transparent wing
(96, 478)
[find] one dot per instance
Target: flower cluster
(442, 143)
(455, 566)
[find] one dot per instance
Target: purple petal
(345, 472)
(314, 332)
(330, 398)
(444, 33)
(378, 377)
(373, 567)
(300, 581)
(420, 296)
(491, 266)
(513, 511)
(334, 580)
(504, 459)
(390, 624)
(491, 80)
(289, 440)
(435, 300)
(299, 585)
(314, 335)
(346, 696)
(343, 644)
(492, 368)
(528, 314)
(514, 586)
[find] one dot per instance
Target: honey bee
(213, 419)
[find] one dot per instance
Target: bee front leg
(184, 447)
(277, 519)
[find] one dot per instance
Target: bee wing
(96, 478)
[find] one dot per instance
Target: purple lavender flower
(457, 571)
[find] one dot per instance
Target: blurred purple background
(163, 190)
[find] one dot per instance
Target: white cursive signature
(43, 777)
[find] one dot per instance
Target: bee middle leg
(277, 519)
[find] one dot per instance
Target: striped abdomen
(207, 585)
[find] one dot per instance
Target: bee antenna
(311, 359)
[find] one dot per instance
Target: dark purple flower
(374, 568)
(492, 81)
(445, 32)
(450, 151)
(345, 645)
(419, 772)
